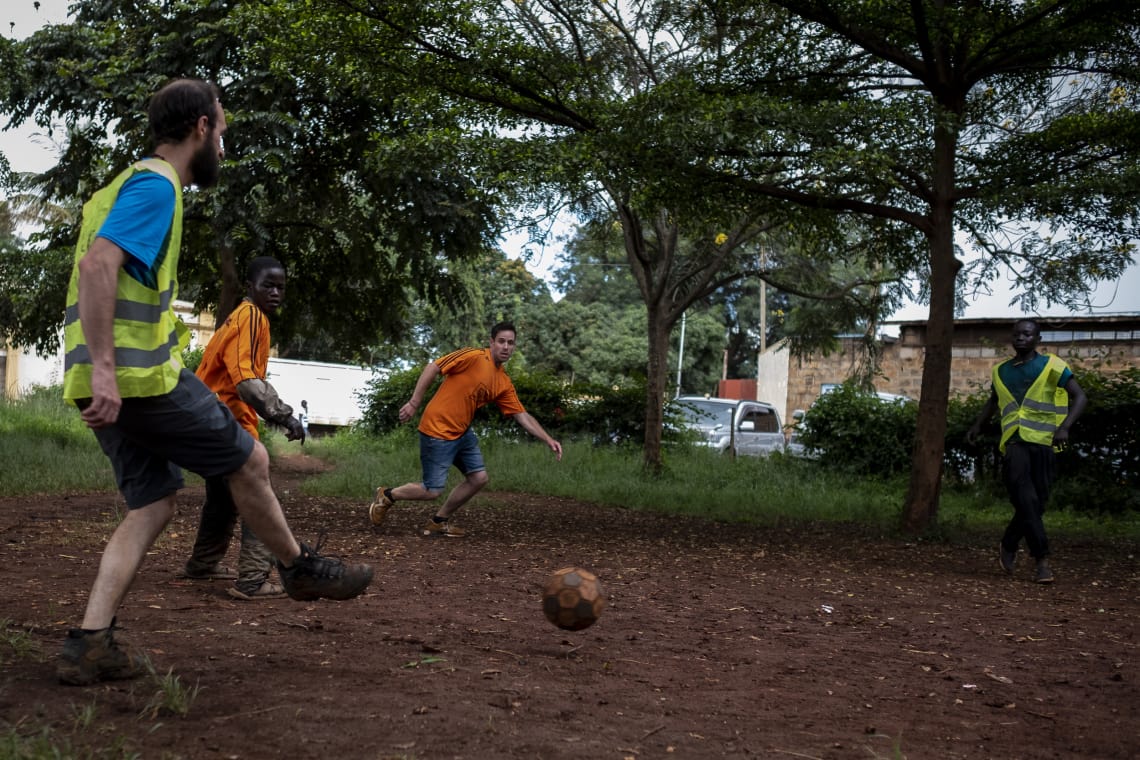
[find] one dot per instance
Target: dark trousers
(215, 531)
(1028, 470)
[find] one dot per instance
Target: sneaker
(313, 576)
(267, 590)
(90, 656)
(441, 529)
(1044, 574)
(1006, 558)
(379, 507)
(215, 573)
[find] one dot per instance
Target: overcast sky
(30, 149)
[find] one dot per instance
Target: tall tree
(577, 92)
(1012, 125)
(325, 169)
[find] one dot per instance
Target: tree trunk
(920, 511)
(231, 291)
(656, 377)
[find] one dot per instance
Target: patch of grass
(46, 448)
(172, 697)
(23, 742)
(17, 644)
(895, 751)
(85, 715)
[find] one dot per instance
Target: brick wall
(1110, 343)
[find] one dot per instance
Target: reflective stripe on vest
(1040, 413)
(148, 336)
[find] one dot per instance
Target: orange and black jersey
(470, 380)
(238, 351)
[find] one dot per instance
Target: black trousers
(216, 529)
(1029, 470)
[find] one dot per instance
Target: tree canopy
(847, 152)
(360, 192)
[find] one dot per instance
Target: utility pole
(680, 354)
(763, 320)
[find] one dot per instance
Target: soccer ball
(572, 598)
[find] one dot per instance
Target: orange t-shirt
(470, 380)
(238, 351)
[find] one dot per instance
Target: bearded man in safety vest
(1039, 400)
(152, 417)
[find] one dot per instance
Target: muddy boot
(315, 577)
(90, 656)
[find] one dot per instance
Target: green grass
(171, 696)
(17, 643)
(47, 449)
(773, 491)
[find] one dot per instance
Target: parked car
(748, 427)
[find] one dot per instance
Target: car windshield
(706, 413)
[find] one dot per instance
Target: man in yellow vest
(152, 417)
(1039, 400)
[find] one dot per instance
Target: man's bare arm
(98, 286)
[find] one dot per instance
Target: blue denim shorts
(155, 436)
(437, 456)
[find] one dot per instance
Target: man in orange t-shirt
(473, 377)
(234, 366)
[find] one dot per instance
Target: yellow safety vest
(1040, 413)
(149, 336)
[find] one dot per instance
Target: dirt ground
(718, 641)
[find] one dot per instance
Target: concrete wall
(772, 378)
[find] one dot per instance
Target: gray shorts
(155, 436)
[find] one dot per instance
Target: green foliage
(361, 189)
(171, 696)
(768, 491)
(192, 358)
(853, 431)
(43, 412)
(46, 447)
(1100, 469)
(382, 398)
(17, 643)
(583, 411)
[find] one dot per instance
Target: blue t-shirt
(140, 223)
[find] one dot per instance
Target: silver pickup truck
(748, 427)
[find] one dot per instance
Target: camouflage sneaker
(313, 576)
(213, 573)
(90, 656)
(266, 590)
(379, 507)
(441, 530)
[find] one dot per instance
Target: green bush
(599, 414)
(856, 432)
(192, 357)
(1098, 472)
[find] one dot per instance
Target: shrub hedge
(602, 415)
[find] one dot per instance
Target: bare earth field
(718, 642)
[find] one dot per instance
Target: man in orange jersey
(234, 367)
(473, 377)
